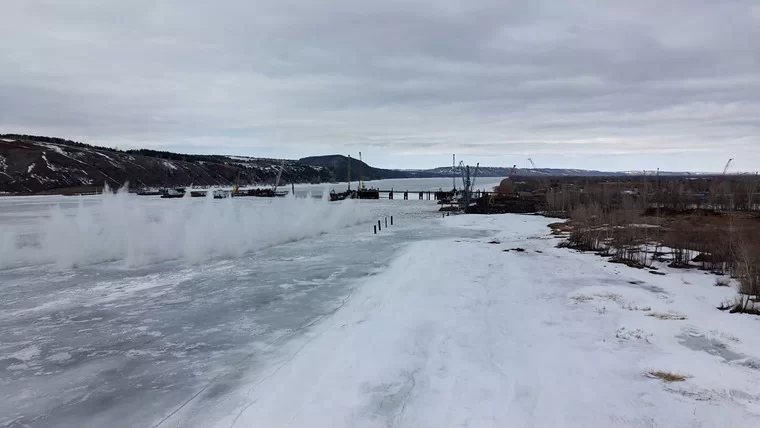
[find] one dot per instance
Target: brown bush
(712, 223)
(747, 263)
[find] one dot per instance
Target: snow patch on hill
(47, 162)
(169, 165)
(54, 147)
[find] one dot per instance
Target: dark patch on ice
(654, 272)
(638, 284)
(4, 363)
(494, 242)
(217, 390)
(699, 342)
(735, 393)
(652, 288)
(103, 401)
(389, 400)
(750, 363)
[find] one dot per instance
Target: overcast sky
(605, 84)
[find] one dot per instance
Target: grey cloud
(417, 77)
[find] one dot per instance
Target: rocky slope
(31, 167)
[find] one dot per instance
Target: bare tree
(750, 185)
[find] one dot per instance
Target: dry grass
(722, 282)
(611, 296)
(558, 228)
(624, 334)
(667, 316)
(582, 298)
(632, 307)
(667, 376)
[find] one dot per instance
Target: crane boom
(728, 165)
(532, 163)
(279, 175)
(361, 172)
(454, 172)
(462, 171)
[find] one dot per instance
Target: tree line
(711, 223)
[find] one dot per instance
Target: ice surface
(459, 333)
(423, 325)
(106, 345)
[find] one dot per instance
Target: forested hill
(338, 164)
(32, 164)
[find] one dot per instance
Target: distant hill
(551, 172)
(338, 164)
(32, 164)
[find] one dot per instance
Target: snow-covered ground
(459, 332)
(105, 341)
(430, 323)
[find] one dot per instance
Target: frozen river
(120, 310)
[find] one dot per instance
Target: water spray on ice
(122, 227)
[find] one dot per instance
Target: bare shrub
(747, 268)
(709, 223)
(587, 232)
(667, 376)
(667, 316)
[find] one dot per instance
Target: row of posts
(406, 195)
(378, 227)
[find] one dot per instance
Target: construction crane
(454, 173)
(728, 165)
(722, 177)
(279, 175)
(532, 163)
(361, 172)
(468, 181)
(465, 175)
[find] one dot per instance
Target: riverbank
(511, 331)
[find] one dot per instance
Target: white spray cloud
(122, 228)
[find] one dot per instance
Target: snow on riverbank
(458, 332)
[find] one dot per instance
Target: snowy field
(316, 322)
(461, 333)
